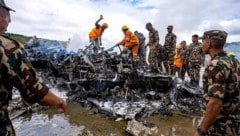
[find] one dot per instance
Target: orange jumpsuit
(130, 40)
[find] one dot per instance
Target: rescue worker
(95, 35)
(16, 71)
(196, 58)
(178, 61)
(185, 59)
(141, 50)
(130, 41)
(221, 89)
(169, 50)
(153, 45)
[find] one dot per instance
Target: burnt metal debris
(110, 83)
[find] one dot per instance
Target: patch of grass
(20, 38)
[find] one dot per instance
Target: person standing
(178, 61)
(184, 60)
(153, 45)
(95, 35)
(221, 89)
(196, 57)
(16, 71)
(141, 50)
(130, 41)
(169, 50)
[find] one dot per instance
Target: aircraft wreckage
(109, 83)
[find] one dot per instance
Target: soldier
(185, 59)
(95, 34)
(141, 50)
(221, 89)
(169, 50)
(16, 71)
(195, 59)
(153, 44)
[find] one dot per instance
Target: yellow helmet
(125, 27)
(231, 54)
(105, 25)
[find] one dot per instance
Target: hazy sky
(63, 19)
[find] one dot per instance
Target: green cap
(215, 34)
(2, 3)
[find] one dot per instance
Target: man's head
(194, 38)
(170, 28)
(149, 26)
(4, 16)
(214, 39)
(2, 4)
(104, 25)
(125, 28)
(183, 44)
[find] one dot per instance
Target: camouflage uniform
(160, 57)
(195, 58)
(153, 46)
(185, 63)
(169, 51)
(18, 72)
(221, 80)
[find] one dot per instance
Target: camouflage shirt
(170, 41)
(153, 37)
(16, 71)
(184, 55)
(195, 52)
(221, 80)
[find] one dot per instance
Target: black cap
(2, 3)
(215, 34)
(195, 35)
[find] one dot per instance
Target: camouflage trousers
(153, 57)
(183, 71)
(6, 128)
(194, 70)
(168, 61)
(225, 127)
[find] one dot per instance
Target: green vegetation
(20, 38)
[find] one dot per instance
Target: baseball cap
(215, 34)
(169, 27)
(2, 3)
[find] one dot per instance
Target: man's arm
(96, 23)
(212, 111)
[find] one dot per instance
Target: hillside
(18, 37)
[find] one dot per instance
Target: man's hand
(62, 106)
(196, 134)
(50, 99)
(101, 17)
(145, 46)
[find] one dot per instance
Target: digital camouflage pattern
(185, 62)
(221, 80)
(18, 72)
(160, 56)
(169, 51)
(154, 48)
(195, 58)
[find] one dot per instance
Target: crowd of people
(221, 78)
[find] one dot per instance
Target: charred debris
(109, 83)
